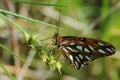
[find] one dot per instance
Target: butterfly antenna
(58, 23)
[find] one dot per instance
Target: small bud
(31, 39)
(58, 66)
(26, 37)
(52, 62)
(44, 58)
(51, 57)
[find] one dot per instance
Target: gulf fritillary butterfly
(81, 50)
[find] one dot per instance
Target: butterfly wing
(81, 51)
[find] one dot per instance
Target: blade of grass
(18, 27)
(37, 3)
(11, 53)
(10, 75)
(27, 18)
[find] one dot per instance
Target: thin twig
(14, 38)
(25, 67)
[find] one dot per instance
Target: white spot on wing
(79, 47)
(72, 43)
(63, 43)
(76, 63)
(108, 49)
(80, 56)
(101, 51)
(71, 57)
(65, 50)
(87, 58)
(91, 47)
(77, 58)
(82, 65)
(71, 49)
(86, 50)
(113, 49)
(101, 44)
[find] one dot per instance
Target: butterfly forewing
(81, 51)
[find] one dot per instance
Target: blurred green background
(88, 18)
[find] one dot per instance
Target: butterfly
(80, 51)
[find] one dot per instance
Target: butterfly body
(81, 50)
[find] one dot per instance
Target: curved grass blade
(11, 53)
(7, 72)
(37, 3)
(27, 18)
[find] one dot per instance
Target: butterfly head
(57, 39)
